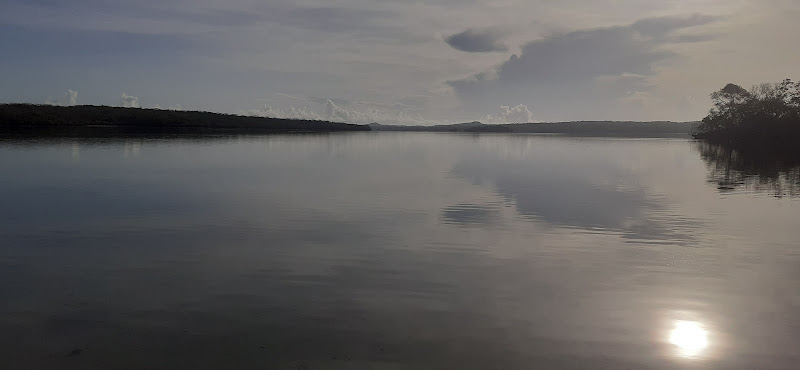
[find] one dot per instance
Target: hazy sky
(395, 61)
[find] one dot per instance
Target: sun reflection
(689, 337)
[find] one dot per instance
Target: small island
(750, 138)
(89, 120)
(766, 117)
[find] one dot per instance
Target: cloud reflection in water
(571, 189)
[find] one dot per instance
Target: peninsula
(89, 120)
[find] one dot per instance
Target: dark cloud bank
(477, 41)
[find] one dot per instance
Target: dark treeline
(750, 138)
(768, 115)
(566, 128)
(32, 119)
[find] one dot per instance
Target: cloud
(572, 70)
(291, 112)
(477, 41)
(663, 26)
(337, 101)
(361, 112)
(129, 101)
(508, 114)
(406, 111)
(72, 97)
(417, 102)
(220, 55)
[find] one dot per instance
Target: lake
(393, 250)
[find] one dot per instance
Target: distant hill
(458, 127)
(32, 119)
(569, 128)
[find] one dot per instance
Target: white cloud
(365, 112)
(129, 101)
(508, 114)
(360, 112)
(291, 112)
(72, 97)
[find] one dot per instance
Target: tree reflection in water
(757, 169)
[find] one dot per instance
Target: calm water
(391, 251)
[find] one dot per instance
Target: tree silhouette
(766, 115)
(750, 137)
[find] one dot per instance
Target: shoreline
(30, 121)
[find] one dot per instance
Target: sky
(398, 62)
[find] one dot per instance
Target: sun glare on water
(690, 338)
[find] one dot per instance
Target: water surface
(391, 250)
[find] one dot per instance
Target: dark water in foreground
(389, 251)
